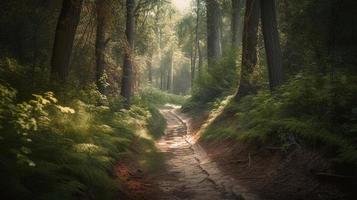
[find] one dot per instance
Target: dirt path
(190, 174)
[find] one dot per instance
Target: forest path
(190, 174)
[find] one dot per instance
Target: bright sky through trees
(182, 5)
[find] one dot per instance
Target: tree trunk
(161, 78)
(249, 54)
(196, 44)
(193, 65)
(200, 60)
(272, 43)
(64, 37)
(102, 40)
(170, 72)
(127, 79)
(236, 7)
(149, 66)
(160, 58)
(214, 48)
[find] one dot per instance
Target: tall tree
(127, 79)
(162, 67)
(249, 54)
(214, 48)
(235, 23)
(170, 71)
(197, 42)
(272, 43)
(149, 66)
(159, 35)
(193, 60)
(64, 37)
(200, 59)
(102, 40)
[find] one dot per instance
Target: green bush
(151, 95)
(156, 123)
(217, 81)
(317, 111)
(214, 83)
(50, 151)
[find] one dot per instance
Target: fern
(307, 110)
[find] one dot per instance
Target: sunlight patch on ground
(168, 105)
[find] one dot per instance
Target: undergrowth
(156, 123)
(49, 151)
(318, 112)
(68, 150)
(155, 96)
(215, 82)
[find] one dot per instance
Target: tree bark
(170, 71)
(236, 7)
(200, 60)
(149, 66)
(162, 82)
(196, 44)
(249, 54)
(102, 40)
(193, 65)
(127, 79)
(214, 48)
(272, 43)
(64, 37)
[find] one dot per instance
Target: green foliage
(155, 96)
(156, 123)
(219, 133)
(317, 111)
(89, 94)
(215, 83)
(331, 40)
(17, 75)
(50, 151)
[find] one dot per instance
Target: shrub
(317, 111)
(156, 123)
(215, 83)
(50, 151)
(151, 95)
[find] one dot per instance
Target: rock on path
(190, 174)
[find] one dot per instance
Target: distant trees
(214, 47)
(127, 79)
(235, 23)
(158, 24)
(64, 37)
(149, 66)
(170, 71)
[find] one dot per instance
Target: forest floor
(186, 171)
(190, 173)
(274, 173)
(192, 169)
